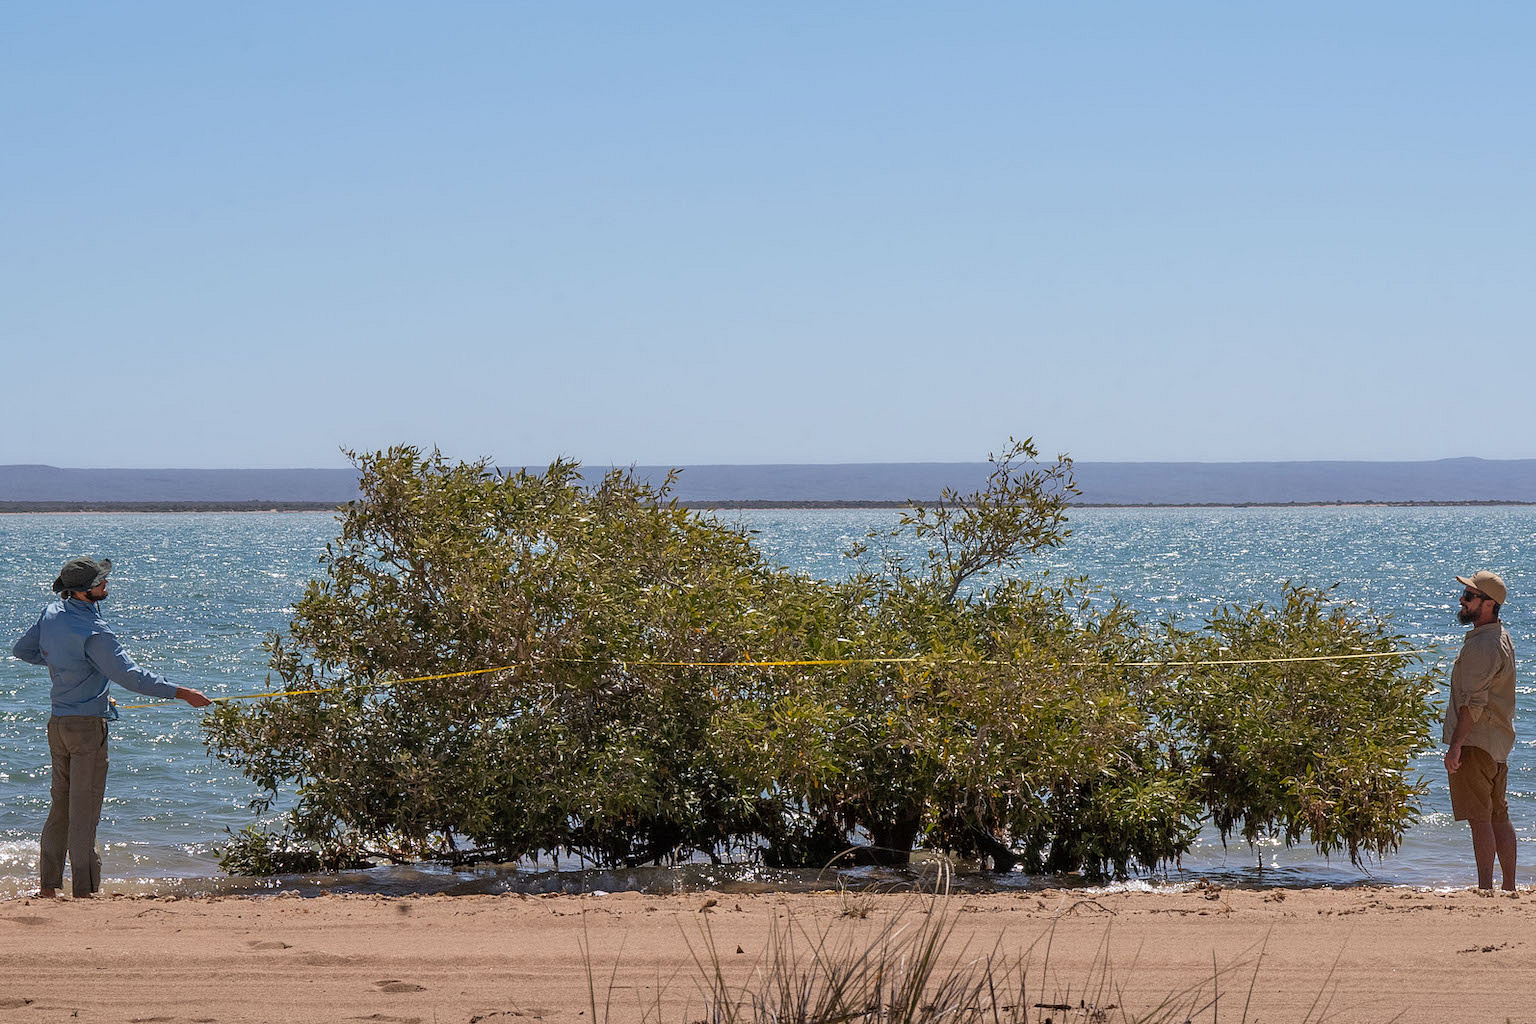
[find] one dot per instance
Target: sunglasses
(1472, 595)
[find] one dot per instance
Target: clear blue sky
(252, 234)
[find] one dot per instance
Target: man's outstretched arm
(113, 662)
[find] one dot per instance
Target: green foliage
(1016, 738)
(588, 745)
(1016, 719)
(1303, 749)
(254, 852)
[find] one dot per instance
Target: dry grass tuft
(906, 970)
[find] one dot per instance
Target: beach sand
(1372, 954)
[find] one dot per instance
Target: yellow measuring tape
(815, 662)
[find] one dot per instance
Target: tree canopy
(510, 664)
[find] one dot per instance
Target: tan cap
(1485, 582)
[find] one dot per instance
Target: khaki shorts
(1477, 787)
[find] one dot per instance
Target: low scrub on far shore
(515, 664)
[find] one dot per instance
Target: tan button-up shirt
(1483, 683)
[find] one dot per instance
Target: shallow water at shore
(197, 877)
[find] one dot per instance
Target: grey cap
(81, 574)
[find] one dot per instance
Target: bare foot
(48, 894)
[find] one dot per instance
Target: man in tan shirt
(1480, 727)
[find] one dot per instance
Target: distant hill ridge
(1102, 483)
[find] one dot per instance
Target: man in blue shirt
(83, 657)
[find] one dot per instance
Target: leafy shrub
(1314, 750)
(593, 744)
(955, 704)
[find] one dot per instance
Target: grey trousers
(78, 744)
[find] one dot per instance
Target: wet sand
(1362, 954)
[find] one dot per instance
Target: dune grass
(912, 968)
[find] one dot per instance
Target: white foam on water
(18, 856)
(1139, 885)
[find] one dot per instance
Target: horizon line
(712, 465)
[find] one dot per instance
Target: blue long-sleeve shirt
(83, 657)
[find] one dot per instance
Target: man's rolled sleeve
(1480, 664)
(113, 662)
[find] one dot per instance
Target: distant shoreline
(800, 505)
(1452, 482)
(79, 507)
(146, 507)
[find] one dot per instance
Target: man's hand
(1453, 757)
(195, 697)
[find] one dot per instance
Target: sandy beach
(1357, 955)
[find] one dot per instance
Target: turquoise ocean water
(193, 595)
